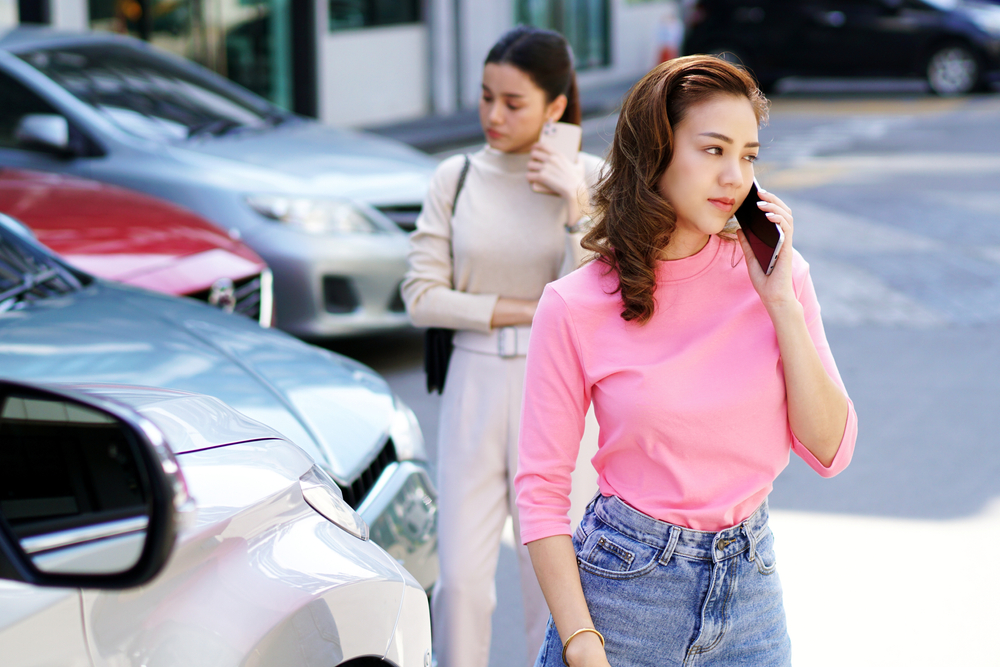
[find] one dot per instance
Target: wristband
(570, 638)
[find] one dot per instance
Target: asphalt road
(896, 200)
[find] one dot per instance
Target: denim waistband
(706, 545)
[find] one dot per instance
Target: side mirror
(45, 131)
(89, 491)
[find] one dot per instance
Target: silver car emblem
(223, 295)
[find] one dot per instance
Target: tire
(953, 70)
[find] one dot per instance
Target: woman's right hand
(513, 312)
(586, 650)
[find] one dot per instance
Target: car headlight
(324, 496)
(316, 215)
(404, 429)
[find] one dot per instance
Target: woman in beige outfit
(480, 269)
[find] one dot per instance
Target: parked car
(299, 193)
(954, 44)
(151, 527)
(58, 324)
(133, 238)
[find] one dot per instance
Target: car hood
(123, 235)
(189, 422)
(336, 409)
(309, 157)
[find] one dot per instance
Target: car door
(41, 627)
(858, 37)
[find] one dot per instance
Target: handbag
(438, 344)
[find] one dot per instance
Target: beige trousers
(477, 460)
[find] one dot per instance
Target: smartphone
(765, 237)
(564, 138)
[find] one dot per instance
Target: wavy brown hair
(634, 221)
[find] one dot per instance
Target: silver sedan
(325, 208)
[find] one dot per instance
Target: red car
(133, 238)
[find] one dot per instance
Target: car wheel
(953, 70)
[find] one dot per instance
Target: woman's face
(512, 109)
(711, 170)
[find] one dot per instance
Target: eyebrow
(502, 94)
(722, 137)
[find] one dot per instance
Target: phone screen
(765, 237)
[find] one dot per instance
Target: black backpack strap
(461, 183)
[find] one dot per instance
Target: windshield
(148, 94)
(28, 274)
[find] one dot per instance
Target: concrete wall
(374, 75)
(8, 14)
(70, 14)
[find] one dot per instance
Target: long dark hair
(546, 57)
(634, 221)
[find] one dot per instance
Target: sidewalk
(434, 134)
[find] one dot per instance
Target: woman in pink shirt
(704, 374)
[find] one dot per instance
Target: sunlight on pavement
(878, 591)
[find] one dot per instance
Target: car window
(18, 101)
(147, 94)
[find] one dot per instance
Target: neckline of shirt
(675, 270)
(513, 163)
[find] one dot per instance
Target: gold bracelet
(570, 638)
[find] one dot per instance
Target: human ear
(556, 108)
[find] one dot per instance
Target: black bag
(437, 354)
(438, 342)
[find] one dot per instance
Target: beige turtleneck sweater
(504, 240)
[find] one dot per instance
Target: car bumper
(401, 512)
(328, 286)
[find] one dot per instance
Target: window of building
(584, 23)
(348, 14)
(248, 41)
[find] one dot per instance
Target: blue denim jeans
(663, 595)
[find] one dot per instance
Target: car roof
(25, 38)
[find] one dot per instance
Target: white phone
(564, 138)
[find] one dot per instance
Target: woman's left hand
(556, 172)
(776, 289)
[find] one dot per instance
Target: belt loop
(752, 539)
(668, 551)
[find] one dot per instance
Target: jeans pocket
(607, 553)
(765, 558)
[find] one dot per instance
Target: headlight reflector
(404, 429)
(314, 215)
(324, 496)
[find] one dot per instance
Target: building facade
(363, 63)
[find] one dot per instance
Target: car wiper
(31, 278)
(215, 127)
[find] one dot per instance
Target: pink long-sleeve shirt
(691, 405)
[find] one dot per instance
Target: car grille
(405, 216)
(356, 493)
(339, 295)
(250, 297)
